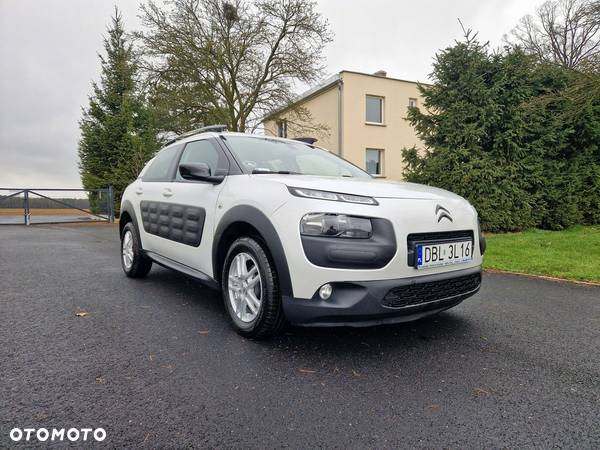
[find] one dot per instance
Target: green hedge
(504, 131)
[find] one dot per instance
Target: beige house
(361, 117)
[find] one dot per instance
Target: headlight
(335, 196)
(335, 225)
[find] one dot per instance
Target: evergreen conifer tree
(117, 131)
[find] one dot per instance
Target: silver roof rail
(207, 129)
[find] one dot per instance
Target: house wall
(357, 135)
(391, 137)
(323, 107)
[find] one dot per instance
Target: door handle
(139, 191)
(167, 192)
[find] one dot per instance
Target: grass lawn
(572, 254)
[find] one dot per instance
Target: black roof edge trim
(207, 129)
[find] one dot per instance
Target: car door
(150, 190)
(190, 207)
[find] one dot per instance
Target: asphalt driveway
(156, 364)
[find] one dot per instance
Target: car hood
(371, 187)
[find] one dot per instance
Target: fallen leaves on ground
(307, 371)
(100, 380)
(433, 408)
(81, 313)
(479, 392)
(203, 332)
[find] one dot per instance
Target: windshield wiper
(279, 172)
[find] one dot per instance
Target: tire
(250, 319)
(134, 263)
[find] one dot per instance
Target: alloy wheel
(244, 287)
(127, 250)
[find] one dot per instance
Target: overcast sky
(48, 59)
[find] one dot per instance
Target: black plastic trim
(179, 223)
(127, 207)
(234, 166)
(414, 295)
(186, 270)
(359, 303)
(349, 253)
(255, 218)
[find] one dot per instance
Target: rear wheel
(135, 264)
(251, 290)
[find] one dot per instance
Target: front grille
(433, 237)
(439, 236)
(419, 293)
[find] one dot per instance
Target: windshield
(265, 155)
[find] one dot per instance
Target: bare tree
(231, 61)
(566, 32)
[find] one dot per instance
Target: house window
(282, 128)
(374, 110)
(374, 161)
(412, 102)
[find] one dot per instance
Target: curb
(544, 277)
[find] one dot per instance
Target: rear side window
(204, 151)
(161, 166)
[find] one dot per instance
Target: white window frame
(411, 100)
(381, 153)
(282, 128)
(381, 106)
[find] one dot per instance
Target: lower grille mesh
(416, 294)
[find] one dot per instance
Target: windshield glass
(265, 155)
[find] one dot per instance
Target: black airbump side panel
(179, 223)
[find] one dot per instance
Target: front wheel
(251, 290)
(135, 264)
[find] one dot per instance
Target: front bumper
(365, 303)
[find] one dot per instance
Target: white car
(292, 233)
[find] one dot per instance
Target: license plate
(436, 255)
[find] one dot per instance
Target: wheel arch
(246, 220)
(128, 215)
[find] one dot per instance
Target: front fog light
(325, 291)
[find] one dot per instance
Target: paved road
(156, 364)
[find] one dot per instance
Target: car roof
(195, 137)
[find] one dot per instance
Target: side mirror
(198, 172)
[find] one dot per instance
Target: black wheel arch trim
(128, 208)
(258, 220)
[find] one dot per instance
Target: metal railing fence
(100, 206)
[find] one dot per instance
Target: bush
(496, 132)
